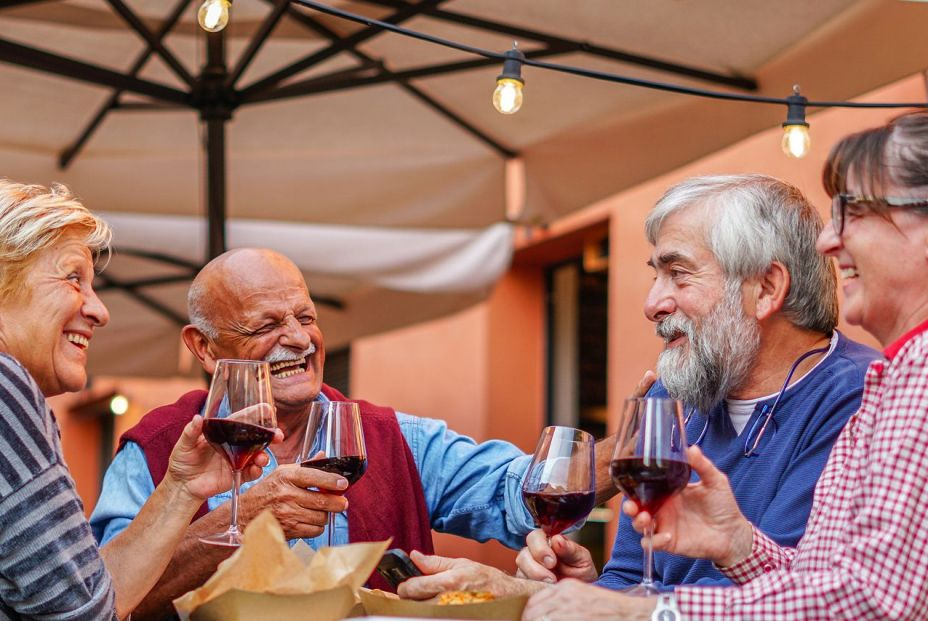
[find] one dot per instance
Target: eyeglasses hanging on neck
(751, 449)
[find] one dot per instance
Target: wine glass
(560, 485)
(334, 442)
(239, 423)
(649, 464)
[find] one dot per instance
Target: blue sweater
(774, 488)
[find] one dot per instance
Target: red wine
(352, 467)
(239, 442)
(556, 512)
(649, 485)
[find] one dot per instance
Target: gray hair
(756, 220)
(196, 309)
(32, 219)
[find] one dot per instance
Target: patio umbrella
(380, 156)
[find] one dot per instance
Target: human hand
(644, 384)
(570, 600)
(200, 469)
(302, 512)
(702, 521)
(442, 574)
(551, 560)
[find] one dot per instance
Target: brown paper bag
(266, 580)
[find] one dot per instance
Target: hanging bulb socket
(507, 98)
(213, 15)
(796, 142)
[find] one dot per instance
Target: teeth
(287, 363)
(77, 339)
(849, 272)
(288, 374)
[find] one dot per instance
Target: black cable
(588, 73)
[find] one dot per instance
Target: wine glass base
(228, 539)
(641, 590)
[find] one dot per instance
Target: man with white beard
(747, 309)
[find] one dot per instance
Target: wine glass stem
(648, 578)
(330, 530)
(236, 484)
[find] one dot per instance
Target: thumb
(190, 435)
(569, 552)
(645, 383)
(708, 473)
(430, 564)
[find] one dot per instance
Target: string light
(796, 130)
(214, 15)
(119, 405)
(507, 97)
(796, 142)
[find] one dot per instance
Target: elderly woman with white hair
(50, 567)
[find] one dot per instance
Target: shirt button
(768, 568)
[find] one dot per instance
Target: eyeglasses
(752, 449)
(839, 203)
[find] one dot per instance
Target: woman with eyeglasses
(865, 551)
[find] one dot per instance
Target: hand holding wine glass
(702, 521)
(560, 487)
(334, 442)
(239, 422)
(650, 464)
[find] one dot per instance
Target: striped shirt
(50, 567)
(865, 552)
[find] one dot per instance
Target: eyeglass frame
(766, 413)
(840, 201)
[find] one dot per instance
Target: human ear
(200, 347)
(772, 291)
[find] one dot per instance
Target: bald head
(234, 276)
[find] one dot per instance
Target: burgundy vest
(388, 501)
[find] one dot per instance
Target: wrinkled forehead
(682, 236)
(272, 294)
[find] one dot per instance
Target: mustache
(280, 353)
(672, 325)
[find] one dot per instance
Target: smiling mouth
(849, 272)
(78, 339)
(288, 368)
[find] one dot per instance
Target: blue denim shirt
(471, 490)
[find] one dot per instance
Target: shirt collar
(893, 349)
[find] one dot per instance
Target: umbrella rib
(735, 81)
(413, 90)
(145, 282)
(458, 120)
(154, 41)
(68, 154)
(261, 36)
(147, 300)
(342, 44)
(65, 67)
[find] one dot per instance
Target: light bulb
(214, 15)
(796, 142)
(119, 405)
(507, 98)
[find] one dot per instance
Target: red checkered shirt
(865, 551)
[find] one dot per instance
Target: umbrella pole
(215, 112)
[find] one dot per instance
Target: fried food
(454, 598)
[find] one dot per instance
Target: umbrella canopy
(377, 161)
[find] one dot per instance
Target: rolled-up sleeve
(472, 489)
